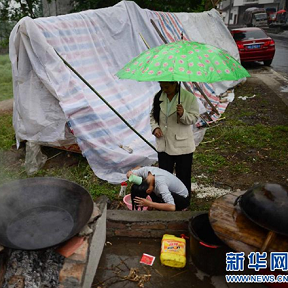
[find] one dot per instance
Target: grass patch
(234, 148)
(253, 138)
(6, 87)
(201, 204)
(232, 138)
(7, 134)
(84, 176)
(210, 160)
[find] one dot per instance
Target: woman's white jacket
(177, 137)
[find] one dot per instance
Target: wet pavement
(122, 254)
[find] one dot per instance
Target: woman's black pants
(183, 166)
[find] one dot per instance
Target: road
(275, 76)
(280, 61)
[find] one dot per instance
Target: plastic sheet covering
(48, 95)
(34, 159)
(208, 27)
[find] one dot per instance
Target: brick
(116, 225)
(158, 233)
(132, 233)
(110, 233)
(147, 226)
(72, 272)
(17, 281)
(2, 272)
(70, 246)
(176, 232)
(80, 255)
(178, 226)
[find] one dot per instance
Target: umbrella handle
(178, 118)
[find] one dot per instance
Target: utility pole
(229, 11)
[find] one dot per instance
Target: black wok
(36, 213)
(267, 206)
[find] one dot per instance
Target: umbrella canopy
(183, 61)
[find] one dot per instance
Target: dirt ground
(271, 110)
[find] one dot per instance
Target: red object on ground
(147, 259)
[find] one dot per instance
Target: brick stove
(71, 264)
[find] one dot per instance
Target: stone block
(71, 273)
(95, 214)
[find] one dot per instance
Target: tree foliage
(156, 5)
(14, 11)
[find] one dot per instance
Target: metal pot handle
(237, 200)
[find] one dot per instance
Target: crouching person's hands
(150, 204)
(128, 174)
(142, 202)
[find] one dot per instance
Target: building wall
(230, 16)
(56, 7)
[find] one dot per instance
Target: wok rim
(66, 183)
(242, 206)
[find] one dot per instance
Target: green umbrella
(183, 61)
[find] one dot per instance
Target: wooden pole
(269, 238)
(146, 44)
(69, 66)
(206, 98)
(158, 31)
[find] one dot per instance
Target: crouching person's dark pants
(180, 201)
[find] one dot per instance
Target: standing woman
(171, 125)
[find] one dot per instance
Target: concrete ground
(122, 254)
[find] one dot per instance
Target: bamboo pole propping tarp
(71, 68)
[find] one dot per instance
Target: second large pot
(267, 206)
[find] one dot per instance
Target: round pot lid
(267, 206)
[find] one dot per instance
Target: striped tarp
(97, 43)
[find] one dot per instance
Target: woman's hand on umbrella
(180, 110)
(158, 133)
(142, 202)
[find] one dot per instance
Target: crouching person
(167, 192)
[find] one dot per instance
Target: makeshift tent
(50, 101)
